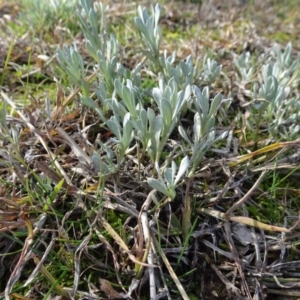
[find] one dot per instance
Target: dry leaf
(109, 291)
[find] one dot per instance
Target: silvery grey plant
(103, 164)
(184, 72)
(170, 102)
(171, 177)
(211, 70)
(72, 63)
(44, 15)
(93, 26)
(166, 61)
(150, 32)
(123, 133)
(123, 130)
(289, 66)
(147, 128)
(109, 67)
(128, 95)
(89, 102)
(119, 90)
(271, 102)
(102, 47)
(204, 135)
(276, 108)
(245, 67)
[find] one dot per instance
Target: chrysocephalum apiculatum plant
(120, 91)
(272, 104)
(133, 121)
(144, 129)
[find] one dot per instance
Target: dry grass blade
(187, 212)
(114, 206)
(237, 259)
(144, 227)
(272, 147)
(133, 211)
(217, 249)
(40, 263)
(120, 241)
(212, 212)
(77, 261)
(59, 289)
(25, 254)
(78, 253)
(107, 288)
(80, 154)
(285, 293)
(230, 287)
(113, 234)
(15, 275)
(110, 248)
(171, 271)
(246, 220)
(237, 204)
(258, 224)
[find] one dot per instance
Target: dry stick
(294, 293)
(258, 262)
(230, 287)
(156, 252)
(236, 258)
(247, 195)
(228, 232)
(225, 189)
(44, 257)
(171, 271)
(186, 212)
(70, 98)
(80, 154)
(25, 255)
(77, 257)
(144, 228)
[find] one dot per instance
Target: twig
(236, 258)
(171, 271)
(247, 195)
